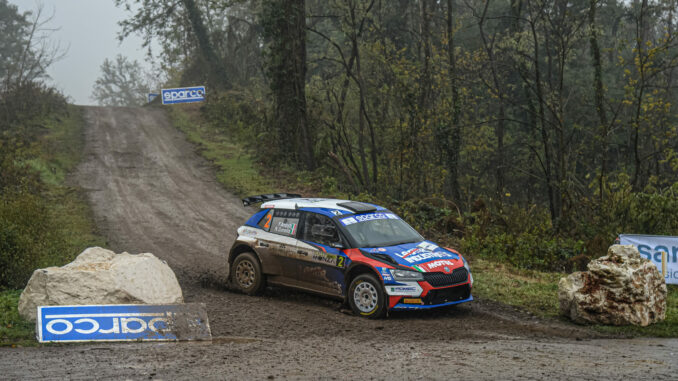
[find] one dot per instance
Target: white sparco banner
(651, 247)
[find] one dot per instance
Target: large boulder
(620, 288)
(100, 276)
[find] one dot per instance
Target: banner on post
(651, 247)
(183, 95)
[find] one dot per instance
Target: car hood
(424, 256)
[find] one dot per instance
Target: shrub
(26, 238)
(42, 223)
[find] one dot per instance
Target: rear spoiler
(247, 201)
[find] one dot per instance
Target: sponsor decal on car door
(277, 244)
(322, 267)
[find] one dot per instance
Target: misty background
(87, 31)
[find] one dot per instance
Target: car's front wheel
(246, 274)
(366, 296)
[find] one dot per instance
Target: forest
(529, 131)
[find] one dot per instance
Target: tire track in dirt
(150, 192)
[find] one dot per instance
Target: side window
(284, 222)
(265, 222)
(320, 229)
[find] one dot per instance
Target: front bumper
(432, 298)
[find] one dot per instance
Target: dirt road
(151, 192)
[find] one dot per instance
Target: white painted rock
(100, 276)
(620, 288)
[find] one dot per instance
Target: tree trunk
(297, 24)
(425, 93)
(218, 76)
(501, 119)
(548, 159)
(599, 97)
(454, 141)
(641, 37)
(285, 25)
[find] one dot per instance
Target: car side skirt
(289, 283)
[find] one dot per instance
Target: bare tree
(122, 83)
(26, 50)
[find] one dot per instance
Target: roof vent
(358, 207)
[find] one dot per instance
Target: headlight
(406, 275)
(468, 269)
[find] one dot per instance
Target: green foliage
(535, 291)
(521, 237)
(651, 211)
(24, 109)
(42, 222)
(525, 237)
(530, 250)
(28, 241)
(433, 217)
(14, 330)
(236, 168)
(241, 117)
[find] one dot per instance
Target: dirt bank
(151, 192)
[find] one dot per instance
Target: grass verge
(66, 222)
(537, 292)
(534, 291)
(14, 330)
(236, 168)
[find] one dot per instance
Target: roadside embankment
(44, 221)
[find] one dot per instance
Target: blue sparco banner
(133, 322)
(651, 247)
(183, 95)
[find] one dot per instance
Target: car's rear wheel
(246, 274)
(366, 296)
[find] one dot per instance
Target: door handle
(263, 244)
(302, 252)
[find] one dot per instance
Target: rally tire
(366, 296)
(246, 275)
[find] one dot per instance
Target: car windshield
(379, 229)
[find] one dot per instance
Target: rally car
(357, 252)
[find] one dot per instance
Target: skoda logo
(447, 269)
